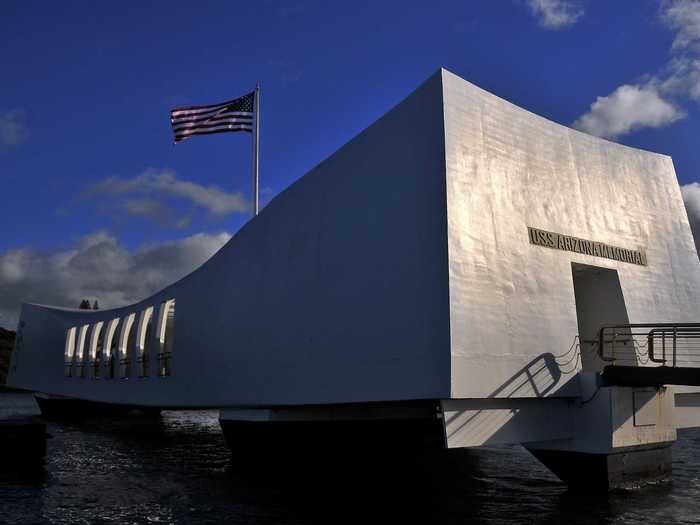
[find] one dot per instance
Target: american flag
(234, 115)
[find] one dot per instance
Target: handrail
(671, 333)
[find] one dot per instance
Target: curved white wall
(400, 268)
(336, 292)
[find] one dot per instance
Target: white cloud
(649, 104)
(555, 14)
(691, 198)
(97, 267)
(626, 109)
(682, 78)
(145, 189)
(683, 16)
(13, 128)
(682, 75)
(156, 212)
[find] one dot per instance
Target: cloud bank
(653, 102)
(150, 195)
(555, 14)
(626, 109)
(683, 16)
(97, 267)
(165, 183)
(691, 198)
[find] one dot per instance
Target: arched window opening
(69, 352)
(96, 349)
(80, 350)
(166, 332)
(111, 346)
(126, 345)
(144, 345)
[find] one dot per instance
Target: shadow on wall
(538, 377)
(541, 375)
(499, 418)
(599, 302)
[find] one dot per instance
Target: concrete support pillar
(386, 428)
(622, 437)
(624, 468)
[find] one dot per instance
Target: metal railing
(661, 343)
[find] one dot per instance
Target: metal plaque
(567, 243)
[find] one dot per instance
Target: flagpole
(256, 152)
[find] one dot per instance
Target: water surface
(178, 469)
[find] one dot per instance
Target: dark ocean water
(177, 469)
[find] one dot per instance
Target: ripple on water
(177, 469)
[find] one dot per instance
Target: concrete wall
(512, 303)
(336, 292)
(401, 268)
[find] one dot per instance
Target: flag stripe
(190, 131)
(229, 114)
(228, 124)
(214, 123)
(181, 138)
(232, 116)
(185, 114)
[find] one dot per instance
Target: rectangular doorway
(599, 302)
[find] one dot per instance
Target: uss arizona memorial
(463, 272)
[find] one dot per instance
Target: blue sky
(88, 166)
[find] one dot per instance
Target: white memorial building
(444, 279)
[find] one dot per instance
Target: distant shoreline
(11, 390)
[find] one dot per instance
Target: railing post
(663, 346)
(674, 345)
